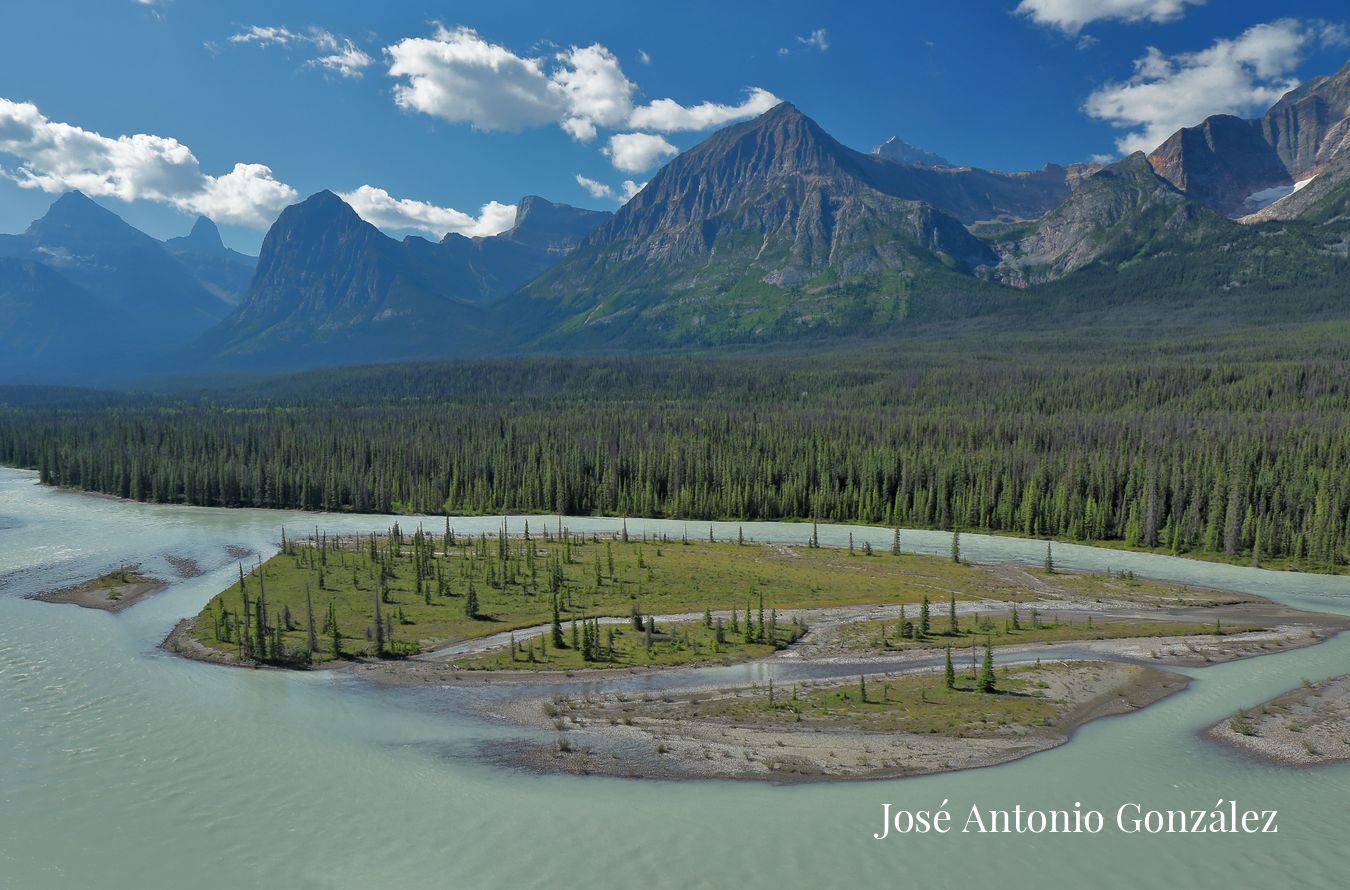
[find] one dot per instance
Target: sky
(431, 117)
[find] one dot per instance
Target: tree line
(1248, 458)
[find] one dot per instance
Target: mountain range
(767, 232)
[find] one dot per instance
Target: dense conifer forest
(1237, 448)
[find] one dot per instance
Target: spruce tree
(310, 642)
(557, 626)
(335, 635)
(895, 543)
(951, 615)
(949, 672)
(924, 618)
(1049, 560)
(379, 630)
(956, 545)
(986, 680)
(471, 602)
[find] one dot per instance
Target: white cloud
(379, 208)
(669, 116)
(1241, 76)
(1070, 16)
(635, 152)
(601, 190)
(265, 36)
(596, 189)
(338, 55)
(783, 50)
(58, 157)
(458, 76)
(815, 40)
(644, 57)
(347, 60)
(594, 89)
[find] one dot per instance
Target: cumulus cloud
(636, 152)
(1241, 76)
(460, 77)
(338, 55)
(628, 189)
(596, 189)
(457, 75)
(1070, 16)
(601, 191)
(669, 116)
(815, 40)
(379, 208)
(594, 90)
(58, 157)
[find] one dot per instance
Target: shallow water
(121, 766)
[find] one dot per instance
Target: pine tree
(949, 672)
(953, 627)
(310, 642)
(379, 630)
(924, 618)
(1049, 560)
(956, 545)
(707, 618)
(335, 635)
(471, 602)
(557, 626)
(895, 543)
(986, 680)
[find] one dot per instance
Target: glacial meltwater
(124, 766)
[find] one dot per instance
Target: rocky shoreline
(1307, 726)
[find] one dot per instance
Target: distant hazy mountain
(1238, 166)
(47, 320)
(224, 272)
(121, 267)
(901, 152)
(331, 288)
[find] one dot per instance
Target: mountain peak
(203, 239)
(901, 152)
(74, 208)
(558, 228)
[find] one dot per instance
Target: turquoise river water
(123, 766)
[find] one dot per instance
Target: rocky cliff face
(767, 226)
(1123, 210)
(331, 287)
(1225, 160)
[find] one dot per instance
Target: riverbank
(112, 592)
(1307, 726)
(892, 725)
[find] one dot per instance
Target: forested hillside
(1238, 446)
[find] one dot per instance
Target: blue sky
(438, 116)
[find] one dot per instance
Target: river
(123, 766)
